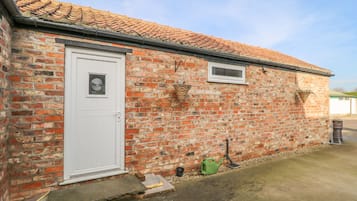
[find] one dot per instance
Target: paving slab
(40, 197)
(152, 181)
(98, 191)
(165, 187)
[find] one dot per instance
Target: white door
(94, 114)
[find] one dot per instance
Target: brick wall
(36, 129)
(5, 49)
(261, 118)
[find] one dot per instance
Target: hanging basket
(181, 91)
(303, 94)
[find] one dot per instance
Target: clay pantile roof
(55, 11)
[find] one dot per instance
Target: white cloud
(348, 85)
(268, 23)
(338, 81)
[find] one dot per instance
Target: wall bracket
(177, 65)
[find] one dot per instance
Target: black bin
(337, 131)
(179, 171)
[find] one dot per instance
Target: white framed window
(226, 73)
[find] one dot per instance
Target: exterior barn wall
(5, 49)
(261, 118)
(343, 105)
(353, 105)
(340, 105)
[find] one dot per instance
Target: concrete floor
(329, 174)
(101, 190)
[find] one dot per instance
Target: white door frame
(70, 69)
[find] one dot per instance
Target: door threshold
(91, 177)
(111, 189)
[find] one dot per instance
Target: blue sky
(321, 32)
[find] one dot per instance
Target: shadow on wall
(5, 49)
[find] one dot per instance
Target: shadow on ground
(329, 174)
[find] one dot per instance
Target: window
(226, 73)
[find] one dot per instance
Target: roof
(353, 93)
(339, 94)
(67, 13)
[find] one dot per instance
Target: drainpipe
(11, 7)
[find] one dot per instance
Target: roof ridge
(109, 21)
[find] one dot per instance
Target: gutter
(11, 7)
(39, 23)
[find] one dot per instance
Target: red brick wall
(261, 118)
(36, 129)
(5, 49)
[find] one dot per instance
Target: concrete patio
(329, 174)
(102, 190)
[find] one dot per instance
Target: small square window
(97, 85)
(226, 73)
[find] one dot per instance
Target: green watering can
(210, 166)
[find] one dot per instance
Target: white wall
(340, 105)
(354, 105)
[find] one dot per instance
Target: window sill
(227, 82)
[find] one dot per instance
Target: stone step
(156, 184)
(127, 185)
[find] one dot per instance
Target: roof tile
(88, 17)
(52, 8)
(55, 11)
(25, 3)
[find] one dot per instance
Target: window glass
(226, 73)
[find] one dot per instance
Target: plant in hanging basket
(181, 91)
(303, 94)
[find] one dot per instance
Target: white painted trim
(226, 79)
(69, 112)
(91, 177)
(121, 100)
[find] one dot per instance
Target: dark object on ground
(337, 131)
(231, 164)
(179, 171)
